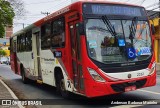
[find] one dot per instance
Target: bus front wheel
(60, 83)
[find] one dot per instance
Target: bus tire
(61, 86)
(24, 78)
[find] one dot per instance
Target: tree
(9, 9)
(2, 53)
(6, 16)
(18, 7)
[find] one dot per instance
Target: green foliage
(6, 15)
(2, 30)
(2, 53)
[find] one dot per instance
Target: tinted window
(58, 33)
(28, 37)
(46, 36)
(24, 42)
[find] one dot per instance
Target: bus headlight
(95, 75)
(152, 68)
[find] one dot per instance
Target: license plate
(130, 88)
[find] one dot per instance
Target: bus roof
(64, 10)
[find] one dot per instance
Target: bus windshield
(119, 41)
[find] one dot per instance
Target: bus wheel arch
(60, 82)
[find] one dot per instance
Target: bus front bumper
(95, 89)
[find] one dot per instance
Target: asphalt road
(38, 91)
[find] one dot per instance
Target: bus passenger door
(13, 55)
(36, 54)
(76, 58)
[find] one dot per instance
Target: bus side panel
(19, 62)
(18, 68)
(13, 62)
(151, 81)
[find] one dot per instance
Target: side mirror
(153, 29)
(81, 28)
(9, 48)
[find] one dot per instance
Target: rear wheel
(24, 78)
(60, 83)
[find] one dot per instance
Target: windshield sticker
(92, 44)
(143, 51)
(121, 42)
(131, 53)
(110, 51)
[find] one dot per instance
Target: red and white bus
(88, 48)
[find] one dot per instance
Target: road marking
(11, 92)
(149, 92)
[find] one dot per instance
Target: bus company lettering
(57, 13)
(45, 59)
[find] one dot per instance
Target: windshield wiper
(109, 26)
(98, 28)
(133, 28)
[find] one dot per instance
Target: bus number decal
(69, 84)
(140, 74)
(58, 54)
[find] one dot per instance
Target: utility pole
(45, 13)
(23, 24)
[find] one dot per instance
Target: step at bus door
(76, 58)
(36, 54)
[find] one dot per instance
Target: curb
(11, 92)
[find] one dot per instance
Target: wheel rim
(62, 85)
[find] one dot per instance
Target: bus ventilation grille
(121, 86)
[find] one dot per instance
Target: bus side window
(58, 33)
(46, 36)
(91, 51)
(18, 43)
(28, 37)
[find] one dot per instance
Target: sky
(35, 8)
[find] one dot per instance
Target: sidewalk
(7, 94)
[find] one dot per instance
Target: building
(4, 42)
(8, 32)
(155, 20)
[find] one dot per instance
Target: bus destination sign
(113, 10)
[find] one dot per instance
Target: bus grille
(121, 86)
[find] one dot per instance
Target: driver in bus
(107, 42)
